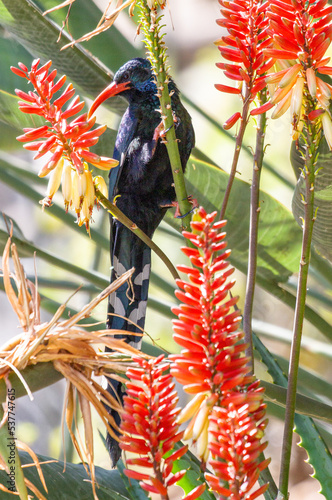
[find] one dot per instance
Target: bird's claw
(177, 214)
(160, 132)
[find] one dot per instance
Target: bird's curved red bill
(113, 89)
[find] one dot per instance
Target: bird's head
(134, 77)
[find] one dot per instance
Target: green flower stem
(156, 50)
(308, 223)
(253, 232)
(238, 147)
(116, 212)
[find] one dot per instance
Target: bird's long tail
(127, 306)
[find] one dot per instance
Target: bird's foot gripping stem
(160, 131)
(177, 214)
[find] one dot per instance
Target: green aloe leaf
(36, 377)
(304, 405)
(308, 381)
(283, 335)
(194, 475)
(279, 238)
(9, 454)
(322, 232)
(134, 490)
(69, 480)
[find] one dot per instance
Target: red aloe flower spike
(60, 139)
(149, 426)
(237, 429)
(226, 414)
(301, 32)
(247, 27)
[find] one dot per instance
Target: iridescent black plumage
(142, 185)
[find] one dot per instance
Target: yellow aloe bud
(191, 408)
(281, 93)
(202, 441)
(327, 127)
(100, 184)
(276, 77)
(281, 107)
(290, 76)
(324, 88)
(323, 101)
(188, 433)
(201, 419)
(90, 191)
(66, 184)
(75, 193)
(311, 81)
(296, 101)
(84, 214)
(55, 179)
(82, 185)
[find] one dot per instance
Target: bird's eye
(125, 76)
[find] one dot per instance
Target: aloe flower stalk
(150, 429)
(226, 414)
(150, 25)
(67, 143)
(301, 33)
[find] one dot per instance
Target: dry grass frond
(76, 353)
(58, 7)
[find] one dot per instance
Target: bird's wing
(127, 129)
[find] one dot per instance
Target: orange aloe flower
(243, 49)
(301, 34)
(150, 429)
(226, 414)
(67, 143)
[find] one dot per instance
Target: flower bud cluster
(64, 140)
(243, 49)
(150, 429)
(226, 414)
(301, 32)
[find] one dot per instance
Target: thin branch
(253, 233)
(116, 212)
(238, 146)
(308, 223)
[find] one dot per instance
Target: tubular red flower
(226, 414)
(301, 32)
(61, 139)
(247, 26)
(149, 424)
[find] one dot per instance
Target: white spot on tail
(118, 267)
(144, 275)
(117, 305)
(138, 312)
